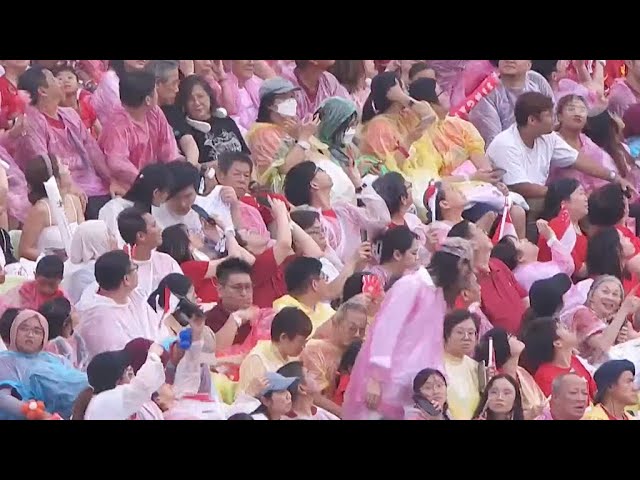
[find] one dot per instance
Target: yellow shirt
(265, 357)
(318, 315)
(463, 390)
(598, 413)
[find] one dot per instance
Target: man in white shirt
(527, 149)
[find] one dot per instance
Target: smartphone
(364, 235)
(426, 406)
(264, 201)
(203, 214)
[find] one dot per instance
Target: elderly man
(569, 398)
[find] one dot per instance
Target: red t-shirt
(206, 288)
(502, 297)
(268, 279)
(265, 212)
(218, 316)
(10, 106)
(85, 109)
(55, 122)
(547, 372)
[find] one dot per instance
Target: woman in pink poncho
(17, 203)
(107, 95)
(240, 93)
(407, 336)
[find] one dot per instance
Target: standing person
(150, 189)
(115, 312)
(506, 354)
(142, 234)
(136, 133)
(501, 400)
(395, 349)
(289, 332)
(314, 85)
(495, 113)
(616, 391)
(398, 255)
(41, 232)
(322, 357)
(625, 91)
(214, 132)
(77, 98)
(55, 130)
(167, 84)
(569, 398)
(532, 137)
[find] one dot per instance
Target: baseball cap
(276, 86)
(546, 295)
(277, 383)
(608, 374)
(106, 368)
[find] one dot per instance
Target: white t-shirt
(529, 165)
(166, 219)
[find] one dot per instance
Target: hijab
(22, 317)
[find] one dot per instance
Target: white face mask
(288, 108)
(349, 135)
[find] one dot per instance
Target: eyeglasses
(37, 331)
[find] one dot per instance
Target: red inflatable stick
(486, 87)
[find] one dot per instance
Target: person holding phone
(430, 396)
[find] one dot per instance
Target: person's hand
(369, 166)
(374, 393)
(485, 175)
(544, 229)
(631, 303)
(485, 222)
(397, 95)
(352, 172)
(432, 241)
(291, 126)
(626, 185)
(228, 196)
(78, 192)
(503, 188)
(219, 222)
(256, 386)
(247, 315)
(308, 128)
(19, 127)
(157, 349)
(197, 241)
(278, 207)
(218, 70)
(623, 334)
(117, 189)
(363, 255)
(492, 371)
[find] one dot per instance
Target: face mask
(288, 108)
(349, 135)
(204, 127)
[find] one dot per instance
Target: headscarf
(22, 317)
(599, 281)
(334, 112)
(90, 240)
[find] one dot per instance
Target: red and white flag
(505, 228)
(562, 227)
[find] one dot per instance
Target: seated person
(142, 235)
(528, 149)
(322, 357)
(307, 290)
(289, 332)
(62, 339)
(616, 391)
(569, 398)
(182, 195)
(136, 133)
(41, 234)
(303, 392)
(77, 98)
(34, 293)
(116, 312)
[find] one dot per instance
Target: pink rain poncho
(621, 97)
(107, 96)
(328, 87)
(106, 325)
(129, 145)
(72, 144)
(242, 103)
(406, 337)
(17, 201)
(561, 262)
